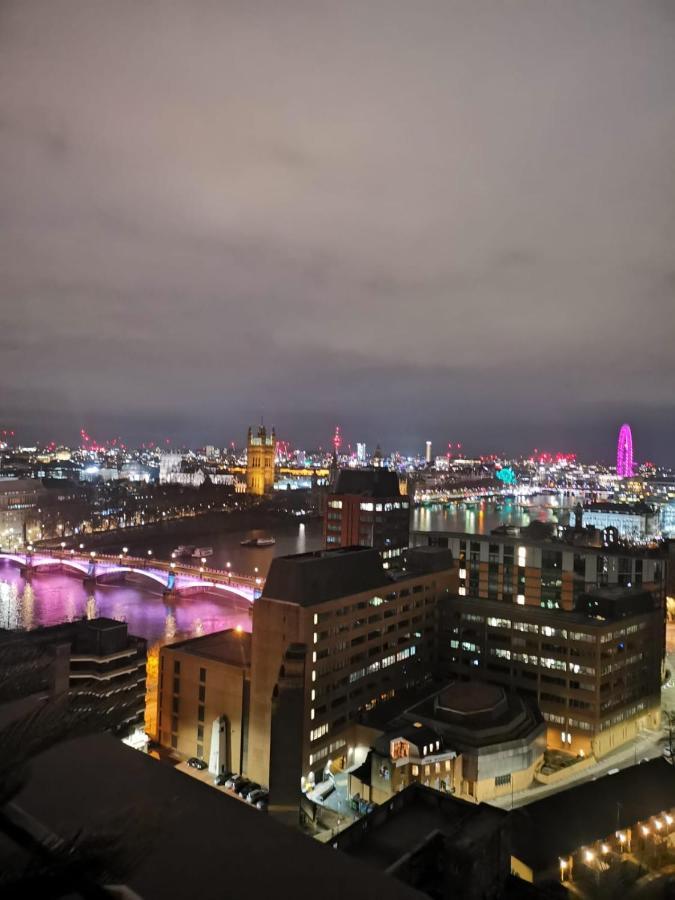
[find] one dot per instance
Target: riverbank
(185, 528)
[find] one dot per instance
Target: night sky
(444, 220)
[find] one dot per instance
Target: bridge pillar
(170, 589)
(89, 579)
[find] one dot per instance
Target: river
(55, 597)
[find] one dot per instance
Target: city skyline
(457, 221)
(347, 447)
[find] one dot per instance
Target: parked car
(249, 789)
(246, 786)
(258, 794)
(222, 777)
(231, 780)
(667, 752)
(236, 783)
(195, 763)
(262, 803)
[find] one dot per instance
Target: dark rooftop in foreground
(544, 831)
(416, 813)
(230, 646)
(201, 843)
(376, 482)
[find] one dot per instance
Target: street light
(173, 565)
(203, 560)
(604, 848)
(149, 552)
(81, 546)
(229, 565)
(125, 549)
(563, 868)
(92, 554)
(589, 856)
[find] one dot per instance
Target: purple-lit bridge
(174, 578)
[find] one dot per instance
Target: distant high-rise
(365, 508)
(361, 452)
(624, 453)
(427, 456)
(260, 455)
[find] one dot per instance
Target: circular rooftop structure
(470, 699)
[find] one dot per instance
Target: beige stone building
(203, 698)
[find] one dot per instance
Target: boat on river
(259, 542)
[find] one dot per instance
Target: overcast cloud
(452, 220)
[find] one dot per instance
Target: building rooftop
(515, 535)
(544, 831)
(416, 813)
(478, 716)
(200, 842)
(231, 646)
(375, 482)
(323, 575)
(629, 509)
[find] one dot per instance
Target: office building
(428, 453)
(343, 634)
(595, 673)
(578, 630)
(361, 454)
(261, 451)
(94, 661)
(20, 499)
(365, 508)
(203, 701)
(530, 568)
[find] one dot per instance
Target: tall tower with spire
(261, 451)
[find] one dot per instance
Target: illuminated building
(334, 634)
(428, 456)
(365, 508)
(522, 619)
(204, 698)
(260, 460)
(169, 464)
(20, 499)
(361, 453)
(474, 740)
(631, 520)
(624, 453)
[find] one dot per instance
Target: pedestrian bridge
(173, 577)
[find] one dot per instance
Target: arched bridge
(174, 578)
